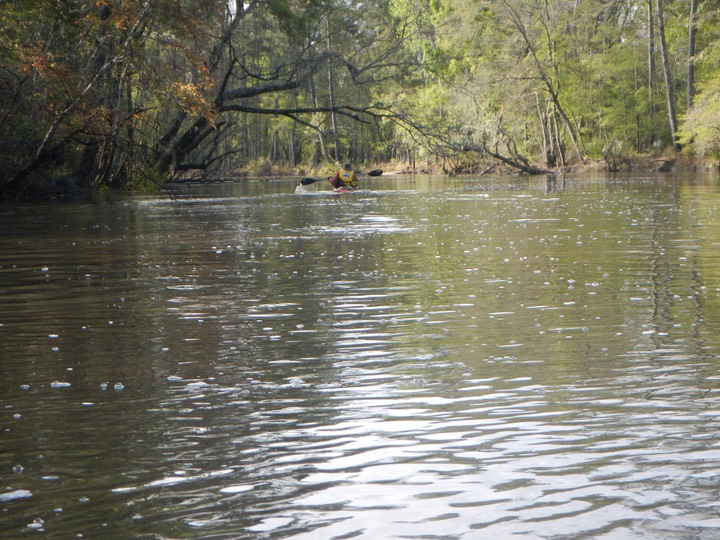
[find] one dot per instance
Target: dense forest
(130, 94)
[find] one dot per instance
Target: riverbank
(64, 188)
(611, 164)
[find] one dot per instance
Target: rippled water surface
(428, 359)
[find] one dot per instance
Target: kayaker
(345, 178)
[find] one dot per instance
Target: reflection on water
(427, 359)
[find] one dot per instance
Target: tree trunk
(550, 84)
(559, 148)
(669, 92)
(651, 71)
(692, 33)
(543, 131)
(331, 93)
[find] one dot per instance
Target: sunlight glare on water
(431, 358)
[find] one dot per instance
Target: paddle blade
(375, 172)
(308, 181)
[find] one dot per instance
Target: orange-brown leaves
(190, 99)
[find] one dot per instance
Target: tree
(294, 69)
(150, 90)
(692, 39)
(667, 75)
(56, 96)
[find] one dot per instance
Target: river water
(429, 359)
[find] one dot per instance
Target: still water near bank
(433, 358)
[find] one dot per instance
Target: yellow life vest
(347, 178)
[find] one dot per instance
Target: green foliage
(103, 90)
(701, 126)
(534, 76)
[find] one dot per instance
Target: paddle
(308, 181)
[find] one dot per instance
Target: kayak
(300, 190)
